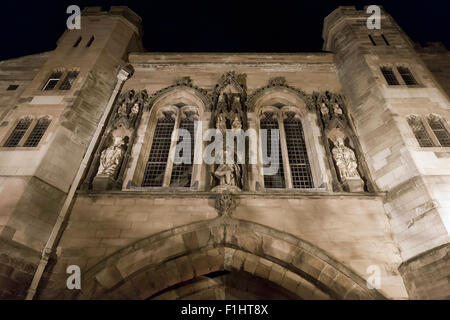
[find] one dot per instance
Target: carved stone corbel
(225, 204)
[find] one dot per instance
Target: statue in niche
(122, 111)
(221, 104)
(236, 125)
(337, 110)
(221, 123)
(324, 109)
(111, 157)
(345, 160)
(134, 111)
(236, 106)
(229, 174)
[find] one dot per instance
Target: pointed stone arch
(151, 265)
(278, 85)
(183, 84)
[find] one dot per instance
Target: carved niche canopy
(111, 157)
(349, 170)
(229, 112)
(229, 100)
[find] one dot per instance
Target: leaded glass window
(407, 76)
(182, 173)
(269, 123)
(37, 132)
(52, 81)
(422, 136)
(159, 153)
(439, 130)
(298, 156)
(389, 75)
(18, 132)
(69, 80)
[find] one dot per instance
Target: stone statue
(345, 160)
(122, 111)
(323, 109)
(221, 123)
(111, 157)
(134, 111)
(236, 106)
(337, 109)
(228, 173)
(236, 124)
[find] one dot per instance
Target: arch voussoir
(152, 265)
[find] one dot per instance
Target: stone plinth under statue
(226, 188)
(354, 184)
(102, 182)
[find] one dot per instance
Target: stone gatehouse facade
(359, 207)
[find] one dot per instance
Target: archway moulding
(153, 264)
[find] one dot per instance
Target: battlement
(121, 11)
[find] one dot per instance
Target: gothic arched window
(294, 166)
(161, 169)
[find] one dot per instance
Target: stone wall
(104, 225)
(37, 179)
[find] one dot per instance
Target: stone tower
(34, 182)
(416, 179)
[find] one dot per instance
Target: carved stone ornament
(184, 81)
(225, 204)
(330, 108)
(130, 104)
(278, 81)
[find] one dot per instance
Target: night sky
(30, 27)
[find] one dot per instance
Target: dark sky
(29, 27)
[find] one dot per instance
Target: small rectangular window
(77, 42)
(407, 76)
(371, 40)
(385, 40)
(69, 80)
(90, 42)
(439, 131)
(37, 133)
(12, 87)
(52, 81)
(389, 76)
(18, 132)
(422, 136)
